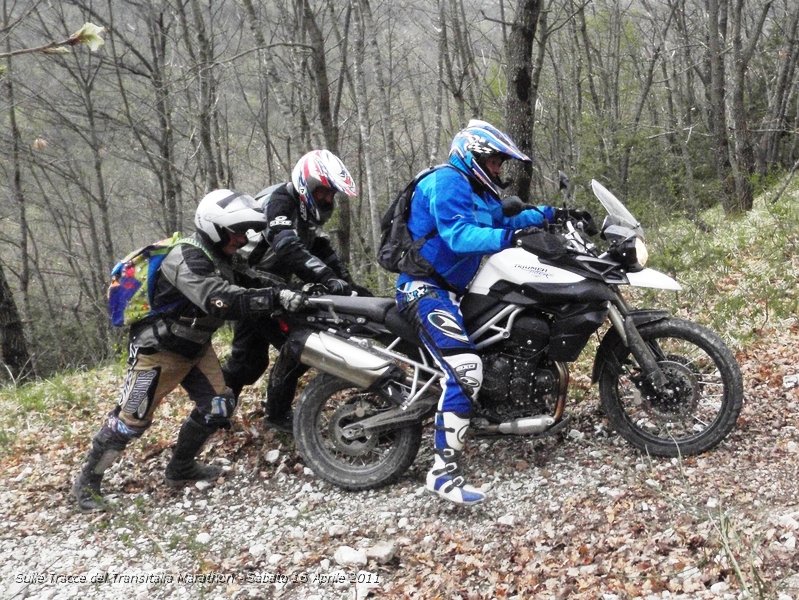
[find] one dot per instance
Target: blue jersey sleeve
(464, 227)
(535, 216)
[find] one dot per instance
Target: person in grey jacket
(171, 348)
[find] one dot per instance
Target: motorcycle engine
(515, 385)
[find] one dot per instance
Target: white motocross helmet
(320, 168)
(223, 211)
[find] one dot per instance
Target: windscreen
(615, 208)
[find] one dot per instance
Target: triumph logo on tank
(537, 271)
(447, 325)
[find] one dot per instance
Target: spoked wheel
(354, 462)
(702, 399)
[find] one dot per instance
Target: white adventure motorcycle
(667, 385)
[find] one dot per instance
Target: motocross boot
(283, 423)
(280, 390)
(183, 468)
(446, 477)
(86, 487)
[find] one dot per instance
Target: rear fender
(604, 355)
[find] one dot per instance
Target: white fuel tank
(518, 266)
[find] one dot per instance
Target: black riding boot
(86, 487)
(280, 390)
(183, 469)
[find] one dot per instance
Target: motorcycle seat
(374, 309)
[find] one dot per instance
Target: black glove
(512, 206)
(314, 289)
(338, 287)
(257, 302)
(292, 301)
(520, 233)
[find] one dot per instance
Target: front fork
(625, 326)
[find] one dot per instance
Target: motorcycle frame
(416, 387)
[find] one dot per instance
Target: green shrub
(738, 278)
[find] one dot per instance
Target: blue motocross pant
(436, 315)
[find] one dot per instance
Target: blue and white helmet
(479, 140)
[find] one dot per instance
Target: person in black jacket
(171, 348)
(293, 244)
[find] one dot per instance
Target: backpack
(133, 278)
(398, 252)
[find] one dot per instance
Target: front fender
(649, 278)
(604, 355)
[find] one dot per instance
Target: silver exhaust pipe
(344, 359)
(523, 426)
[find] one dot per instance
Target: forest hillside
(584, 516)
(677, 106)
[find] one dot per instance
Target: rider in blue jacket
(461, 203)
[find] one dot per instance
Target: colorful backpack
(132, 281)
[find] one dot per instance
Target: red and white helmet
(320, 168)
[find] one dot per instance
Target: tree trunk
(14, 348)
(458, 60)
(320, 79)
(717, 26)
(520, 104)
(742, 156)
(646, 86)
(383, 92)
(327, 118)
(346, 211)
(202, 57)
(15, 356)
(775, 123)
(364, 126)
(441, 63)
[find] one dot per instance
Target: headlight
(641, 253)
(631, 253)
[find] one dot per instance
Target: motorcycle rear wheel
(374, 460)
(705, 380)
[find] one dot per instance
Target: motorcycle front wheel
(372, 460)
(703, 396)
